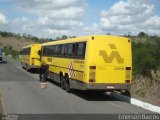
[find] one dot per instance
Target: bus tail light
(128, 68)
(127, 81)
(92, 67)
(92, 73)
(91, 80)
(128, 75)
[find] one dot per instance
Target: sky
(51, 18)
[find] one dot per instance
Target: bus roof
(29, 46)
(78, 39)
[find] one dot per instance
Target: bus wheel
(62, 84)
(68, 89)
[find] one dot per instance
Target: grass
(147, 88)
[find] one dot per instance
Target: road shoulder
(1, 111)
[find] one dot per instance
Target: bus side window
(29, 51)
(59, 50)
(63, 50)
(46, 50)
(50, 50)
(53, 50)
(56, 50)
(70, 47)
(81, 49)
(43, 51)
(74, 49)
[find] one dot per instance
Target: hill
(15, 43)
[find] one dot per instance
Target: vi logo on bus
(114, 54)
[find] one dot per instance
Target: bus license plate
(110, 87)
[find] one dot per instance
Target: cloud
(52, 15)
(153, 22)
(2, 19)
(47, 4)
(93, 29)
(130, 16)
(5, 0)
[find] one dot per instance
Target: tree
(145, 58)
(64, 37)
(7, 49)
(142, 34)
(57, 38)
(108, 33)
(35, 39)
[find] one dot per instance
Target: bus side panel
(74, 68)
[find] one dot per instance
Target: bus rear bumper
(99, 86)
(25, 65)
(106, 87)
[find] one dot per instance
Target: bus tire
(62, 83)
(67, 84)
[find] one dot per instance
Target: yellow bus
(30, 58)
(98, 62)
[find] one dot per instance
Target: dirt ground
(16, 43)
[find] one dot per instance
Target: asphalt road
(22, 95)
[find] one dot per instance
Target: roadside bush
(9, 51)
(15, 54)
(146, 56)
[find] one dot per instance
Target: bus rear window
(26, 51)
